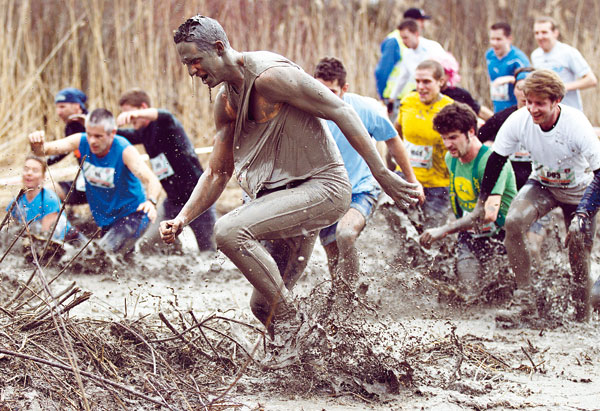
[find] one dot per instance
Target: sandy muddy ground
(446, 355)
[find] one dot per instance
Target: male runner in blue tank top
(112, 171)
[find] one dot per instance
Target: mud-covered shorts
(363, 202)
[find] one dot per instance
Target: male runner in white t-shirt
(563, 146)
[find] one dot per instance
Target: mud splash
(406, 341)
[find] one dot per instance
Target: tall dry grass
(107, 46)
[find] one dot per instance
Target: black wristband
(153, 201)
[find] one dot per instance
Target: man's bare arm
(587, 81)
(37, 141)
(146, 113)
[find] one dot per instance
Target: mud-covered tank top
(292, 146)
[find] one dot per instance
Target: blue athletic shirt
(504, 96)
(391, 54)
(46, 202)
(112, 190)
(379, 127)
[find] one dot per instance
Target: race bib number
(420, 156)
(559, 178)
(521, 156)
(500, 93)
(103, 177)
(80, 183)
(161, 166)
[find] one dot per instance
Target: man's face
(428, 86)
(99, 140)
(519, 94)
(458, 143)
(204, 64)
(335, 87)
(544, 35)
(499, 42)
(33, 174)
(136, 122)
(64, 110)
(410, 39)
(541, 109)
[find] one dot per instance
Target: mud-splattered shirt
(292, 146)
(562, 157)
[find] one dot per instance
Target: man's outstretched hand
(402, 192)
(432, 235)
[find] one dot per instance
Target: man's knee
(228, 235)
(516, 224)
(346, 236)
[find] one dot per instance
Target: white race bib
(559, 178)
(103, 177)
(161, 166)
(80, 183)
(500, 93)
(420, 156)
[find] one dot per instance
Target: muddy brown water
(408, 343)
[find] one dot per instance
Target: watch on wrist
(153, 201)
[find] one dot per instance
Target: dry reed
(110, 46)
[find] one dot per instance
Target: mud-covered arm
(295, 87)
(485, 213)
(588, 206)
(586, 210)
(215, 177)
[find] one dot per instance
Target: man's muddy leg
(282, 214)
(468, 268)
(347, 231)
(291, 256)
(580, 248)
(332, 252)
(531, 203)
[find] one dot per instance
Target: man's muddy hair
(101, 117)
(330, 69)
(455, 117)
(544, 83)
(436, 68)
(410, 25)
(202, 31)
(135, 97)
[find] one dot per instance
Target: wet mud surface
(176, 330)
